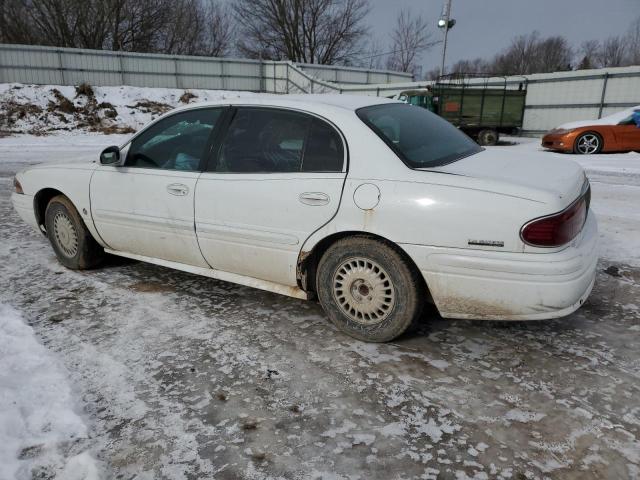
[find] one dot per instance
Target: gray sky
(486, 26)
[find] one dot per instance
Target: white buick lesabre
(370, 205)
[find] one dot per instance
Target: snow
(612, 119)
(39, 429)
(134, 106)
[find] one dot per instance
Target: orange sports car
(619, 132)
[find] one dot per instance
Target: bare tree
(518, 58)
(553, 54)
(532, 54)
(612, 52)
(410, 39)
(310, 31)
(168, 26)
(432, 74)
(588, 54)
(196, 28)
(477, 65)
(373, 55)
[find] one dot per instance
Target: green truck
(481, 111)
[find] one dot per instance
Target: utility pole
(445, 22)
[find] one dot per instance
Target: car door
(276, 177)
(628, 134)
(146, 206)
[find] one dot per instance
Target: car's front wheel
(368, 289)
(588, 143)
(71, 240)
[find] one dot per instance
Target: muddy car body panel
(458, 222)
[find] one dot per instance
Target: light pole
(445, 22)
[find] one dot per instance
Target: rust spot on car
(301, 270)
(368, 219)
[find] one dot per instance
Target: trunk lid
(557, 182)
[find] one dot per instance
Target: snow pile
(41, 109)
(613, 119)
(40, 435)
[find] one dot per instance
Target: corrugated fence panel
(561, 93)
(623, 90)
(67, 66)
(538, 119)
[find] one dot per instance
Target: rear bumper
(23, 205)
(489, 285)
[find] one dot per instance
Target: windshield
(420, 138)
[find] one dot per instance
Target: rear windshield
(420, 138)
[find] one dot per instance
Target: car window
(176, 142)
(264, 140)
(420, 138)
(324, 151)
(627, 121)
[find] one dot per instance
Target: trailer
(481, 109)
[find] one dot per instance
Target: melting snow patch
(38, 426)
(523, 416)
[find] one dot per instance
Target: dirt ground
(184, 377)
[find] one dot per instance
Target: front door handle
(314, 198)
(177, 189)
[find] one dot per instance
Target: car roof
(302, 101)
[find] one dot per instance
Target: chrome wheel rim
(65, 234)
(363, 290)
(588, 144)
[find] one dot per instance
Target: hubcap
(363, 290)
(588, 144)
(65, 234)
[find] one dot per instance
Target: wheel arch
(308, 259)
(40, 201)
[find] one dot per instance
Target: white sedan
(369, 205)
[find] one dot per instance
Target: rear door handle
(177, 189)
(314, 198)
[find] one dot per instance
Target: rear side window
(420, 138)
(323, 151)
(268, 140)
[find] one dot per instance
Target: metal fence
(552, 98)
(70, 66)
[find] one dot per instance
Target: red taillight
(558, 229)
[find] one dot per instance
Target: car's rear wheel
(588, 143)
(488, 137)
(71, 240)
(368, 289)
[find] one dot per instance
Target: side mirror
(110, 155)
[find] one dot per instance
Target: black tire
(488, 137)
(333, 286)
(71, 240)
(578, 145)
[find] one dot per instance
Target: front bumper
(562, 143)
(489, 285)
(23, 205)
